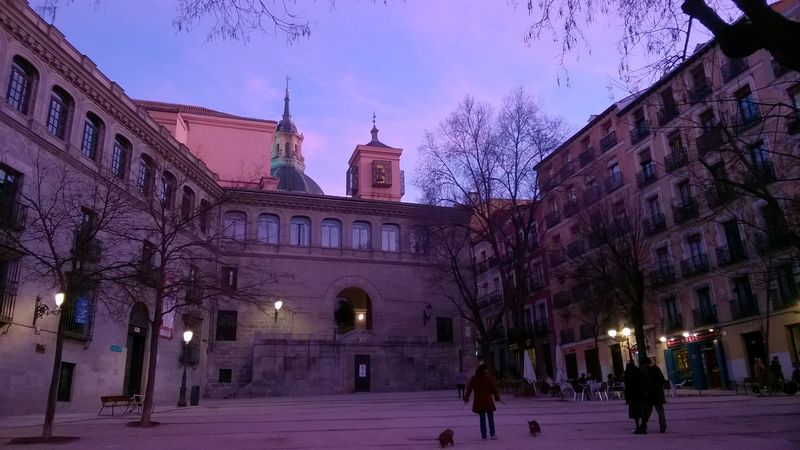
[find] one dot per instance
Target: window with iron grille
(444, 329)
(225, 376)
(226, 325)
(9, 275)
(78, 312)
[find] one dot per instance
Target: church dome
(294, 180)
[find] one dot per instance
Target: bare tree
(608, 261)
(662, 28)
(59, 222)
(484, 163)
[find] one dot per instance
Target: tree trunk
(155, 332)
(52, 393)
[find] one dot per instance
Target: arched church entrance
(352, 311)
(138, 324)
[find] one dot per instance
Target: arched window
(203, 215)
(120, 156)
(58, 112)
(166, 190)
(361, 236)
(187, 203)
(21, 83)
(92, 136)
(268, 225)
(331, 233)
(390, 238)
(146, 175)
(234, 225)
(300, 231)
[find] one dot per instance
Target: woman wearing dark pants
(485, 395)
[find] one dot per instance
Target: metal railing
(675, 160)
(608, 141)
(705, 316)
(640, 131)
(694, 265)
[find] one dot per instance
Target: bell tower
(374, 171)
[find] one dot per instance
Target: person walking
(760, 374)
(654, 397)
(461, 383)
(485, 395)
(634, 395)
(776, 373)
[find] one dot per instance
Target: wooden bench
(113, 401)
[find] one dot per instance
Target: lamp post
(278, 306)
(621, 336)
(187, 336)
(41, 309)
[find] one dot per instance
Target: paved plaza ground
(413, 420)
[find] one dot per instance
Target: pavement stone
(413, 420)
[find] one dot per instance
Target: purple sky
(409, 62)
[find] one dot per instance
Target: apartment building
(695, 158)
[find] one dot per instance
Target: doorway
(754, 345)
(138, 324)
(592, 359)
(362, 373)
(616, 360)
(571, 361)
(711, 367)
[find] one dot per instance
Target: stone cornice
(49, 45)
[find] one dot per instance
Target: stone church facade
(346, 307)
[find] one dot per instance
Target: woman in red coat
(485, 395)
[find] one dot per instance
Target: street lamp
(187, 336)
(41, 309)
(278, 306)
(621, 336)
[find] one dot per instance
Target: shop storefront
(697, 359)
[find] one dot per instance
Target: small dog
(446, 437)
(534, 428)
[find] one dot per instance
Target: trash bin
(194, 398)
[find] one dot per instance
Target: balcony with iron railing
(771, 241)
(552, 218)
(684, 209)
(705, 316)
(567, 170)
(614, 182)
(785, 299)
(640, 131)
(576, 248)
(586, 331)
(694, 265)
(700, 91)
(733, 68)
(490, 298)
(745, 307)
(728, 255)
(673, 323)
(12, 214)
(570, 208)
(710, 141)
(654, 224)
(550, 183)
(591, 195)
(85, 248)
(586, 157)
(667, 112)
(663, 275)
(647, 175)
(720, 192)
(561, 299)
(608, 141)
(675, 160)
(567, 336)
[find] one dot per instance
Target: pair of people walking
(485, 389)
(644, 391)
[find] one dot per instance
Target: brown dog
(446, 437)
(534, 428)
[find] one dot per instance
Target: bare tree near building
(179, 268)
(483, 162)
(662, 28)
(59, 221)
(613, 262)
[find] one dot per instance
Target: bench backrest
(114, 398)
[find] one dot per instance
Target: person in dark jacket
(635, 386)
(654, 396)
(485, 395)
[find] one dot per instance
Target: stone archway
(349, 297)
(138, 324)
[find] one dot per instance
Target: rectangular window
(89, 142)
(119, 160)
(330, 233)
(390, 238)
(56, 117)
(229, 277)
(704, 300)
(299, 232)
(361, 239)
(9, 274)
(65, 375)
(226, 325)
(444, 329)
(748, 108)
(79, 314)
(225, 375)
(685, 193)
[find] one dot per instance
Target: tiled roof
(179, 108)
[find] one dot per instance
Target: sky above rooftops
(409, 62)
